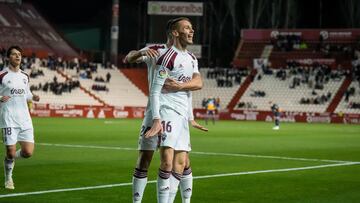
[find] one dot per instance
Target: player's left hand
(150, 53)
(198, 126)
(36, 98)
(171, 85)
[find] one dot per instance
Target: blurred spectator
(108, 77)
(99, 88)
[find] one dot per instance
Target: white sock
(8, 167)
(18, 154)
(163, 186)
(186, 185)
(174, 184)
(139, 183)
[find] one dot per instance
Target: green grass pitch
(233, 162)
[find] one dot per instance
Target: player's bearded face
(15, 58)
(186, 32)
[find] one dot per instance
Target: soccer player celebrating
(170, 110)
(15, 119)
(147, 146)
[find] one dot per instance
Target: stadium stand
(119, 91)
(59, 92)
(301, 98)
(350, 102)
(218, 86)
(24, 25)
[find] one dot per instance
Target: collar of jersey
(178, 50)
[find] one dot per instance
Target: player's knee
(26, 153)
(166, 165)
(179, 167)
(180, 163)
(187, 162)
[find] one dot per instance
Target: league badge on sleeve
(162, 73)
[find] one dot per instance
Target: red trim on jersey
(160, 60)
(167, 59)
(192, 55)
(172, 61)
(2, 76)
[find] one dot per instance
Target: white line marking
(271, 157)
(196, 177)
(277, 170)
(201, 153)
(86, 146)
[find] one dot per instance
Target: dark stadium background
(82, 14)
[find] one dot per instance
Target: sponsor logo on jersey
(184, 78)
(17, 91)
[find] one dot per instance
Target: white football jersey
(15, 112)
(180, 66)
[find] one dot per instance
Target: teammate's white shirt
(179, 65)
(151, 67)
(15, 112)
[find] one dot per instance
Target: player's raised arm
(138, 56)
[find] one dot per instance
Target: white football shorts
(13, 135)
(175, 130)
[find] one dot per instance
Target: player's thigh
(166, 158)
(183, 141)
(147, 143)
(26, 135)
